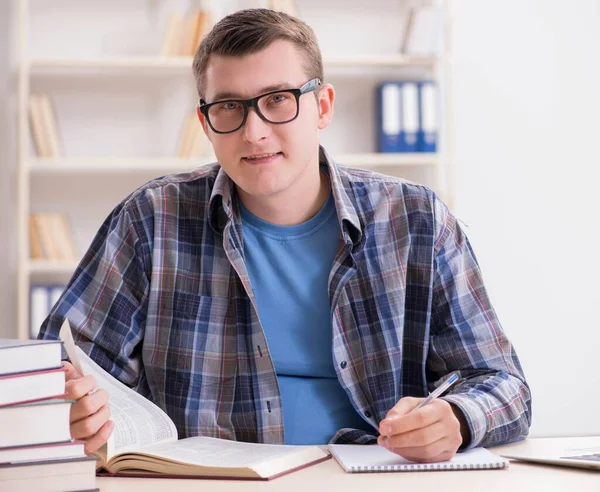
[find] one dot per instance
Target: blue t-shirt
(289, 269)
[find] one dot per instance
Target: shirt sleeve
(467, 337)
(105, 300)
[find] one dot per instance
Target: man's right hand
(90, 413)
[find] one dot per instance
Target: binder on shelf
(389, 124)
(410, 117)
(42, 298)
(429, 126)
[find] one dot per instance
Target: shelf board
(111, 165)
(37, 267)
(384, 159)
(183, 64)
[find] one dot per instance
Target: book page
(208, 451)
(138, 421)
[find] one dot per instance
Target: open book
(144, 442)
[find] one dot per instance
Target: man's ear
(203, 122)
(325, 100)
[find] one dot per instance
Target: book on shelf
(64, 474)
(43, 125)
(18, 356)
(424, 31)
(193, 141)
(40, 422)
(145, 442)
(183, 34)
(51, 237)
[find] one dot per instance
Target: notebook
(356, 458)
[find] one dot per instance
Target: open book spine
(429, 467)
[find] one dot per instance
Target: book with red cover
(27, 387)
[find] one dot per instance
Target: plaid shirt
(162, 301)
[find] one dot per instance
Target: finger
(426, 454)
(404, 406)
(99, 439)
(71, 371)
(417, 419)
(417, 438)
(88, 405)
(90, 425)
(77, 388)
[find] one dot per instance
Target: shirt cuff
(474, 415)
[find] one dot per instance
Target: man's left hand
(430, 434)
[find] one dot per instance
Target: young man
(276, 297)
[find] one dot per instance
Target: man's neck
(293, 206)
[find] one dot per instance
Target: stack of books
(36, 449)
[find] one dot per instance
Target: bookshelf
(120, 107)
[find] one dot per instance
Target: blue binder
(389, 113)
(410, 117)
(428, 123)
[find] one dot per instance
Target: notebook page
(369, 458)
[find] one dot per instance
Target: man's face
(292, 147)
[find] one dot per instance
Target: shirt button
(368, 414)
(343, 364)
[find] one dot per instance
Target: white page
(208, 451)
(138, 421)
(355, 457)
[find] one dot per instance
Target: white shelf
(37, 267)
(109, 165)
(387, 159)
(183, 64)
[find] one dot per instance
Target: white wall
(526, 81)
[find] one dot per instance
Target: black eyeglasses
(277, 107)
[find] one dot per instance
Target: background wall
(525, 81)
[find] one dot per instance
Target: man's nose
(255, 128)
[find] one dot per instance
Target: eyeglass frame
(310, 86)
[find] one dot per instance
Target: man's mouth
(262, 158)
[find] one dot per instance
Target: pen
(438, 391)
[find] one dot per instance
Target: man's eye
(229, 106)
(275, 98)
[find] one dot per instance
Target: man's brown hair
(251, 30)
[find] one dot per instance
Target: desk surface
(329, 476)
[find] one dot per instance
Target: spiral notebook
(355, 458)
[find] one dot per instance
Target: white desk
(328, 476)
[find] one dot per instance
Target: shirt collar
(223, 205)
